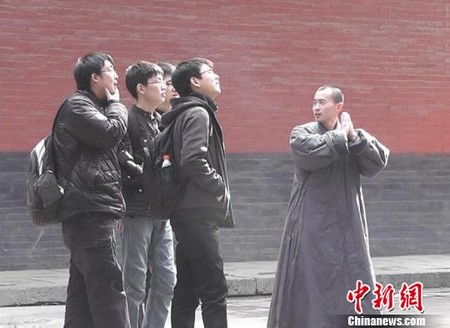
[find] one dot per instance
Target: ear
(194, 82)
(340, 107)
(140, 88)
(95, 77)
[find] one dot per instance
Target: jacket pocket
(100, 173)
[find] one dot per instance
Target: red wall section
(390, 57)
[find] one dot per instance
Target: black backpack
(44, 190)
(161, 178)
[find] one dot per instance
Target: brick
(387, 56)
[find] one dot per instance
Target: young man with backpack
(89, 126)
(198, 154)
(147, 242)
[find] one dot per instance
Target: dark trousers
(200, 275)
(95, 295)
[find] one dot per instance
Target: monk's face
(324, 109)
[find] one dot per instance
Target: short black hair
(87, 65)
(139, 73)
(336, 92)
(166, 67)
(181, 77)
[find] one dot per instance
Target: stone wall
(408, 208)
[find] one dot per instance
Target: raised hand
(347, 126)
(112, 96)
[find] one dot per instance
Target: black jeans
(95, 295)
(200, 275)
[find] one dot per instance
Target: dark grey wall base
(408, 209)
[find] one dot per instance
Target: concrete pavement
(243, 312)
(244, 278)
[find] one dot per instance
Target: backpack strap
(57, 114)
(53, 144)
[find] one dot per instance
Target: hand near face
(112, 96)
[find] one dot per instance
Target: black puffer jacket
(199, 153)
(86, 135)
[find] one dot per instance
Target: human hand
(347, 126)
(112, 96)
(119, 226)
(221, 198)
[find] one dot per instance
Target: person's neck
(146, 107)
(99, 94)
(331, 125)
(209, 96)
(164, 107)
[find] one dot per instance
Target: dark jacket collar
(153, 116)
(323, 129)
(212, 104)
(180, 104)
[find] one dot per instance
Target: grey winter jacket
(199, 154)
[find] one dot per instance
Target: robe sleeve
(312, 151)
(370, 154)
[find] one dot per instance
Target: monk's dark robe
(325, 246)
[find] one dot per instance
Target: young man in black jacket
(90, 125)
(147, 242)
(205, 202)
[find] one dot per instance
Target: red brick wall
(389, 56)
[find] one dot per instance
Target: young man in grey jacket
(205, 202)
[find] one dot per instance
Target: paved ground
(244, 312)
(244, 278)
